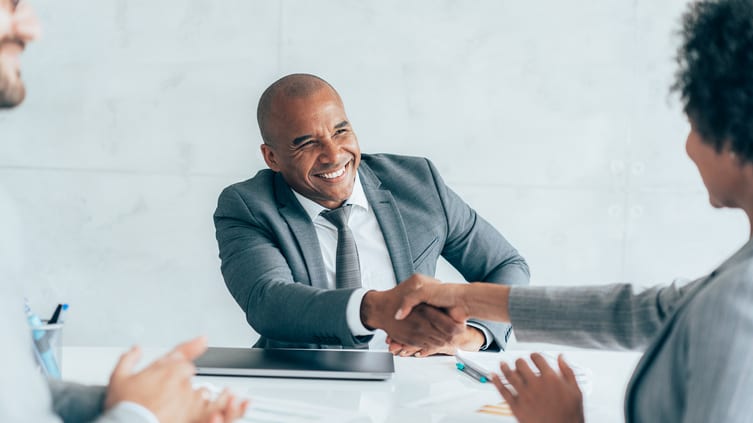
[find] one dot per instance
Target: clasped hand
(425, 330)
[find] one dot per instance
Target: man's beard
(12, 90)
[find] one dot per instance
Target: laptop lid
(296, 363)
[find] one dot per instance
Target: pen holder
(47, 346)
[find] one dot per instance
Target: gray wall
(552, 119)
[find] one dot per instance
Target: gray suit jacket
(273, 266)
(698, 364)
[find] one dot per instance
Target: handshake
(423, 316)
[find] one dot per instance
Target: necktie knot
(339, 216)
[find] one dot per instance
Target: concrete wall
(552, 119)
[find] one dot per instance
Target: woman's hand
(547, 398)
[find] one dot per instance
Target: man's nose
(330, 150)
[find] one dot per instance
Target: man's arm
(480, 253)
(259, 278)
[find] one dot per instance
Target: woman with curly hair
(698, 338)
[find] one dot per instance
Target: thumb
(566, 371)
(191, 349)
(126, 363)
(406, 306)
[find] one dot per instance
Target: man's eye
(341, 131)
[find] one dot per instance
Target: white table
(422, 389)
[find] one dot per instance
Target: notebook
(296, 363)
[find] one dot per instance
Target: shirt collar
(357, 199)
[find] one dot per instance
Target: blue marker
(470, 371)
(42, 345)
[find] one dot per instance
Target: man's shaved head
(297, 85)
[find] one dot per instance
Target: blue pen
(42, 345)
(470, 371)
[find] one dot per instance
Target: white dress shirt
(377, 272)
(374, 259)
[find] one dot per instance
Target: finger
(244, 407)
(542, 364)
(444, 324)
(525, 372)
(566, 371)
(388, 340)
(126, 363)
(190, 350)
(409, 350)
(406, 305)
(512, 377)
(506, 393)
(395, 348)
(26, 24)
(437, 327)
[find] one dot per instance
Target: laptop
(296, 363)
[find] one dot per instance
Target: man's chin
(12, 92)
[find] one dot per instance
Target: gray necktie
(347, 268)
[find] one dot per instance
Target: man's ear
(269, 157)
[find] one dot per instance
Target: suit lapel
(390, 221)
(303, 231)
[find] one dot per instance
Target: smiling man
(311, 247)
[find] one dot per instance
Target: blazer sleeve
(607, 317)
(479, 252)
(259, 278)
(74, 402)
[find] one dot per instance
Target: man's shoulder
(386, 164)
(262, 182)
(256, 193)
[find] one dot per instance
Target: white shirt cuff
(353, 313)
(488, 337)
(137, 409)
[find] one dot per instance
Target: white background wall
(552, 119)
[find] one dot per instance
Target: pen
(470, 371)
(42, 345)
(57, 316)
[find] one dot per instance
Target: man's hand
(427, 328)
(164, 387)
(470, 339)
(548, 398)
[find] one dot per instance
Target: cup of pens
(47, 341)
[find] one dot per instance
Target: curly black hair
(715, 75)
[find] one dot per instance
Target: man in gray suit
(161, 392)
(280, 254)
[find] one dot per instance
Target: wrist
(474, 339)
(370, 310)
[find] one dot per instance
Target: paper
(269, 410)
(487, 364)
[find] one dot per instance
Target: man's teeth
(333, 174)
